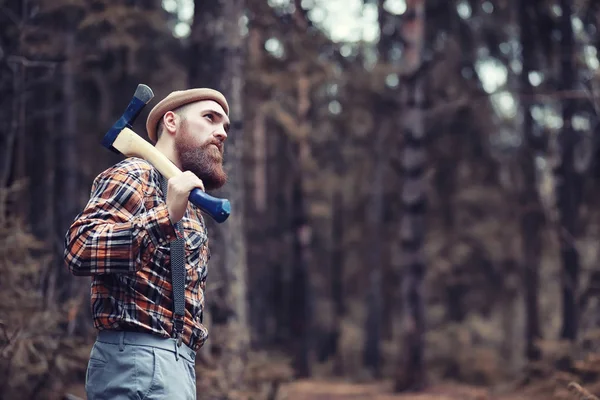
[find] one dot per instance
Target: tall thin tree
(216, 60)
(66, 153)
(374, 320)
(411, 372)
(532, 216)
(303, 236)
(568, 180)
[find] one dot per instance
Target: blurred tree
(382, 106)
(569, 180)
(532, 217)
(411, 368)
(217, 61)
(66, 149)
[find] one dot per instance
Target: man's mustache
(218, 144)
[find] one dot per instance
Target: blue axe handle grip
(218, 209)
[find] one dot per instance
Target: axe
(123, 140)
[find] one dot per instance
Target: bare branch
(31, 63)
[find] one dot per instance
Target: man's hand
(178, 191)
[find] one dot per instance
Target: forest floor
(326, 390)
(329, 390)
(338, 390)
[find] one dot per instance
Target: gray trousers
(130, 365)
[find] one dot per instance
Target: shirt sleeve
(115, 233)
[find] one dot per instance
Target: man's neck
(168, 150)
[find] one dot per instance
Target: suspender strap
(177, 276)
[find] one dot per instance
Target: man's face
(200, 142)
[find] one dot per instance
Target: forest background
(414, 187)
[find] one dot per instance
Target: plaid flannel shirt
(121, 239)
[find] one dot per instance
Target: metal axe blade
(142, 96)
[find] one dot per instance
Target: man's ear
(170, 121)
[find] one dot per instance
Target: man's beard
(205, 161)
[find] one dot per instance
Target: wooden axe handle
(131, 144)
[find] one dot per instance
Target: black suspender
(177, 276)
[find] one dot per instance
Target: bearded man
(122, 239)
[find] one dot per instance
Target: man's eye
(210, 117)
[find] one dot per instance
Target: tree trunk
(569, 182)
(19, 159)
(217, 61)
(532, 216)
(261, 282)
(411, 371)
(260, 160)
(263, 211)
(337, 278)
(14, 135)
(301, 301)
(509, 307)
(41, 183)
(67, 169)
(207, 61)
(281, 240)
(373, 327)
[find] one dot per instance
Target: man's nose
(220, 133)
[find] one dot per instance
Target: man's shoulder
(131, 166)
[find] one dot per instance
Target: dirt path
(327, 390)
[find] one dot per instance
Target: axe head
(142, 96)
